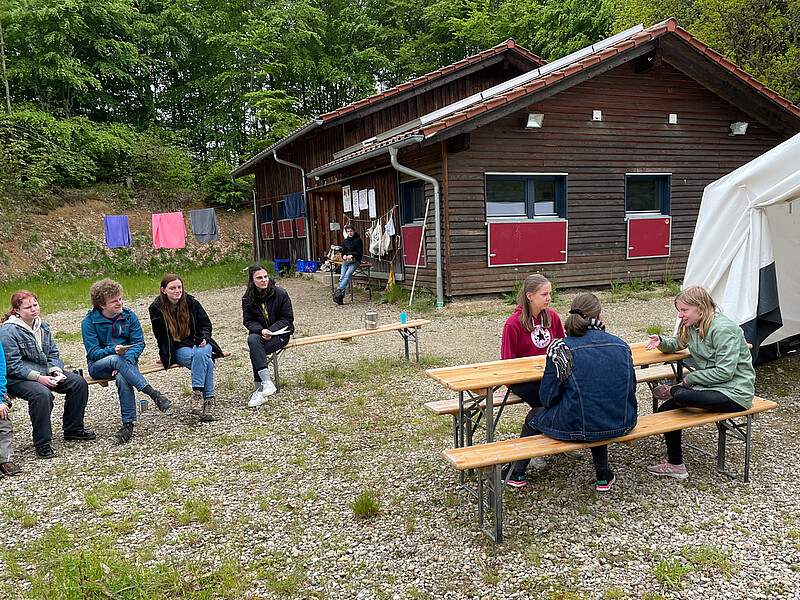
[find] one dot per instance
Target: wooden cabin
(589, 169)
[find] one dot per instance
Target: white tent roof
(749, 220)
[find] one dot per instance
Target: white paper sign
(356, 202)
(346, 198)
(363, 203)
(373, 211)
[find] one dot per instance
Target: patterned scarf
(559, 353)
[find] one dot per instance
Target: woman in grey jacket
(35, 370)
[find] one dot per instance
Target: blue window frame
(648, 193)
(526, 196)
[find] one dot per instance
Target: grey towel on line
(204, 225)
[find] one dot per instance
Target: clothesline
(168, 229)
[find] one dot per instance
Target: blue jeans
(199, 361)
(347, 272)
(127, 378)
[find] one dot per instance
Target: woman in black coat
(183, 332)
(267, 315)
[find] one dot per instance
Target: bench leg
(413, 335)
(741, 431)
(490, 495)
(274, 359)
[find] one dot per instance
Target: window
(412, 201)
(647, 193)
(281, 210)
(526, 196)
(266, 213)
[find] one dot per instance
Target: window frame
(408, 205)
(664, 181)
(266, 213)
(559, 202)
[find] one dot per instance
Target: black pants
(261, 348)
(529, 392)
(682, 396)
(599, 453)
(40, 404)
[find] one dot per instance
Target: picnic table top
(346, 335)
(529, 368)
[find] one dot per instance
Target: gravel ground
(270, 489)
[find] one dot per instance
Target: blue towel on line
(294, 205)
(118, 231)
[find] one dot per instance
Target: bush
(219, 188)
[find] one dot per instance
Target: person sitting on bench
(183, 333)
(724, 380)
(352, 253)
(267, 315)
(112, 336)
(588, 390)
(35, 371)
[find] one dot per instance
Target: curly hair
(101, 290)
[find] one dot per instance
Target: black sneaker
(81, 435)
(125, 433)
(162, 402)
(45, 451)
(339, 299)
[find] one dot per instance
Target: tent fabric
(169, 230)
(118, 230)
(204, 225)
(746, 244)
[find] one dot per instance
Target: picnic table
(477, 383)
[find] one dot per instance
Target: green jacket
(723, 360)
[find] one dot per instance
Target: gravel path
(269, 489)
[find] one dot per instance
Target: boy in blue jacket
(112, 336)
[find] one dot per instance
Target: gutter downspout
(438, 220)
(255, 216)
(305, 202)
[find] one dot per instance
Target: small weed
(614, 592)
(709, 558)
(61, 336)
(366, 505)
(195, 511)
(163, 478)
(253, 466)
(671, 574)
(654, 330)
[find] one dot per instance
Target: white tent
(746, 248)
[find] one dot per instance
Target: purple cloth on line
(118, 231)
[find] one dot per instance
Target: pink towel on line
(169, 230)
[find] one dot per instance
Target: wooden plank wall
(634, 136)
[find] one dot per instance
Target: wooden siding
(634, 136)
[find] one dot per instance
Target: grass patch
(366, 505)
(671, 573)
(654, 330)
(424, 299)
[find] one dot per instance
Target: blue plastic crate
(282, 265)
(306, 266)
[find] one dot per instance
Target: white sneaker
(576, 454)
(257, 399)
(268, 388)
(538, 463)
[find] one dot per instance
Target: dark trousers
(40, 404)
(261, 348)
(682, 396)
(529, 392)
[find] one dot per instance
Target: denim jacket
(25, 360)
(597, 401)
(100, 335)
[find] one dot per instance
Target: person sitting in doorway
(267, 315)
(34, 370)
(352, 252)
(183, 333)
(112, 336)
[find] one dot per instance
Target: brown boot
(196, 403)
(208, 409)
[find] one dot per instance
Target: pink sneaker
(665, 469)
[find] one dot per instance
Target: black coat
(279, 308)
(353, 245)
(199, 330)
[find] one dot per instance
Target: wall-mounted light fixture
(673, 119)
(535, 121)
(597, 115)
(738, 128)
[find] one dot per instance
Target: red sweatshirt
(518, 343)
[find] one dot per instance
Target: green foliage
(671, 573)
(654, 330)
(219, 188)
(424, 299)
(366, 505)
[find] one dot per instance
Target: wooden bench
(650, 374)
(409, 331)
(488, 459)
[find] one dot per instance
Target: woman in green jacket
(724, 380)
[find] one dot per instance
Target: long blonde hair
(696, 296)
(532, 284)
